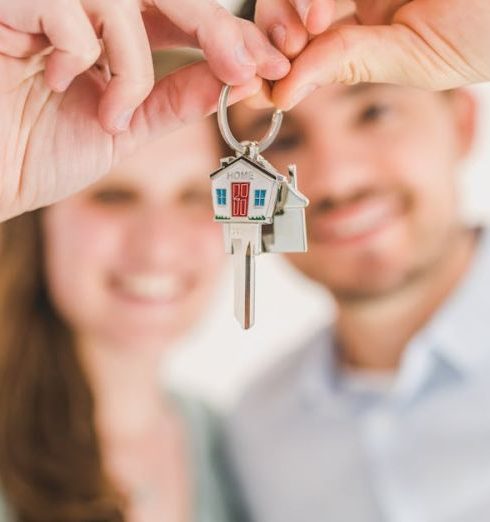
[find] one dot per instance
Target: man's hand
(77, 87)
(431, 44)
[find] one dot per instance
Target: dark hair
(50, 461)
(247, 11)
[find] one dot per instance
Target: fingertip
(247, 90)
(115, 119)
(280, 67)
(262, 99)
(285, 97)
(320, 16)
(296, 40)
(56, 83)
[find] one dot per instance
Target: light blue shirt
(308, 446)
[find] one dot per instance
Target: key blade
(244, 276)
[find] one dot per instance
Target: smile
(355, 221)
(165, 288)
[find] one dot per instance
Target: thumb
(185, 96)
(352, 54)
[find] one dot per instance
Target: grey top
(310, 443)
(213, 501)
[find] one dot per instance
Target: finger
(180, 98)
(14, 71)
(378, 12)
(271, 64)
(356, 54)
(76, 46)
(163, 33)
(316, 15)
(130, 62)
(261, 100)
(219, 35)
(280, 21)
(20, 45)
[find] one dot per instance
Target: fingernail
(303, 7)
(122, 122)
(302, 93)
(277, 35)
(243, 56)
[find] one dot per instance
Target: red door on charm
(240, 192)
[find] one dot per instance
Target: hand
(61, 111)
(431, 44)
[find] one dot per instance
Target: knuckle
(170, 104)
(127, 5)
(219, 17)
(144, 84)
(220, 13)
(62, 5)
(174, 101)
(217, 23)
(350, 71)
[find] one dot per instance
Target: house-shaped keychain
(260, 209)
(253, 192)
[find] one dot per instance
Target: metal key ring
(224, 126)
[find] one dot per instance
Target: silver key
(260, 209)
(245, 245)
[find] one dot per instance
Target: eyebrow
(352, 91)
(361, 88)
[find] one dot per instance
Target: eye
(114, 196)
(197, 197)
(373, 113)
(285, 143)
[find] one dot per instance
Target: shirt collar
(456, 339)
(317, 371)
(459, 333)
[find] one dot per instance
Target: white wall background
(219, 358)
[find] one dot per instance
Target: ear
(465, 107)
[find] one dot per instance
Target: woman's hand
(77, 87)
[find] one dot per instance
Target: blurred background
(218, 359)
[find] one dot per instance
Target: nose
(157, 237)
(341, 165)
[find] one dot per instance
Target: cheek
(207, 247)
(78, 251)
(429, 178)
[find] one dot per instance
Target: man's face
(378, 164)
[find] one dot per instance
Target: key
(261, 210)
(245, 245)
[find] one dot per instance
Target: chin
(371, 273)
(367, 288)
(138, 327)
(139, 336)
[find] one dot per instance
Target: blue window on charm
(221, 197)
(260, 198)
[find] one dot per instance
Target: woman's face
(136, 256)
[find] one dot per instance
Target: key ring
(224, 126)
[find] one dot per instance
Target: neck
(125, 383)
(374, 333)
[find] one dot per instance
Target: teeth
(153, 287)
(365, 221)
